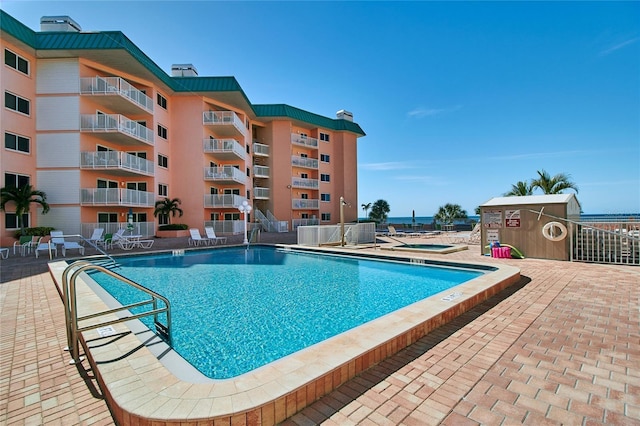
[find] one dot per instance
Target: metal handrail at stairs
(71, 309)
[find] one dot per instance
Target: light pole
(245, 208)
(342, 203)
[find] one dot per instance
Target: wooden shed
(517, 221)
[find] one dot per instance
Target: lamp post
(245, 208)
(342, 203)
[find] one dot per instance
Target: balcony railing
(260, 149)
(223, 200)
(261, 171)
(305, 183)
(304, 140)
(116, 123)
(139, 228)
(224, 148)
(117, 160)
(116, 86)
(305, 222)
(224, 120)
(305, 204)
(261, 193)
(224, 173)
(305, 162)
(116, 197)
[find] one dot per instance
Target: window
(163, 161)
(248, 172)
(325, 197)
(107, 217)
(15, 180)
(163, 190)
(16, 143)
(232, 216)
(324, 137)
(162, 131)
(303, 156)
(162, 101)
(16, 62)
(233, 191)
(214, 216)
(304, 196)
(324, 158)
(325, 217)
(163, 219)
(325, 178)
(16, 103)
(304, 175)
(11, 220)
(213, 191)
(137, 186)
(304, 215)
(111, 184)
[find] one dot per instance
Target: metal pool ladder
(71, 309)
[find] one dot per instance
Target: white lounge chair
(57, 237)
(472, 237)
(196, 239)
(97, 237)
(45, 244)
(211, 234)
(25, 243)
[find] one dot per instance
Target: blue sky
(459, 100)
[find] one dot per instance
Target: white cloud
(391, 165)
(427, 112)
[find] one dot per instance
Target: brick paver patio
(560, 347)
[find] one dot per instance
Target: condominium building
(94, 123)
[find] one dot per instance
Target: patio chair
(45, 244)
(24, 244)
(57, 238)
(211, 234)
(97, 238)
(197, 239)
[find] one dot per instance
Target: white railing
(139, 228)
(116, 197)
(308, 163)
(261, 193)
(354, 233)
(305, 183)
(304, 140)
(223, 200)
(278, 225)
(116, 160)
(261, 171)
(226, 227)
(606, 242)
(115, 123)
(305, 203)
(224, 173)
(221, 146)
(260, 149)
(305, 222)
(223, 118)
(115, 86)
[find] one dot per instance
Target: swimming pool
(143, 380)
(428, 248)
(234, 310)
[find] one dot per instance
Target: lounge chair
(197, 239)
(45, 244)
(472, 237)
(57, 238)
(211, 234)
(24, 244)
(97, 238)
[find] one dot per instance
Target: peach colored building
(94, 123)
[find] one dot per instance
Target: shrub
(39, 231)
(173, 227)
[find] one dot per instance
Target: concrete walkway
(560, 347)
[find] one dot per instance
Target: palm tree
(379, 211)
(168, 206)
(553, 185)
(22, 198)
(366, 208)
(449, 212)
(520, 189)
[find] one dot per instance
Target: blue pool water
(427, 246)
(234, 310)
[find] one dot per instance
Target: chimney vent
(183, 70)
(59, 24)
(344, 115)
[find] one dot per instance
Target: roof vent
(59, 24)
(183, 70)
(344, 115)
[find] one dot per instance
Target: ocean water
(608, 217)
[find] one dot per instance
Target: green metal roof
(118, 41)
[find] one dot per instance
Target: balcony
(225, 123)
(304, 162)
(261, 193)
(305, 183)
(116, 128)
(224, 149)
(260, 171)
(224, 174)
(118, 162)
(305, 204)
(297, 139)
(116, 197)
(223, 201)
(116, 94)
(260, 150)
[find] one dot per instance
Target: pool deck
(560, 347)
